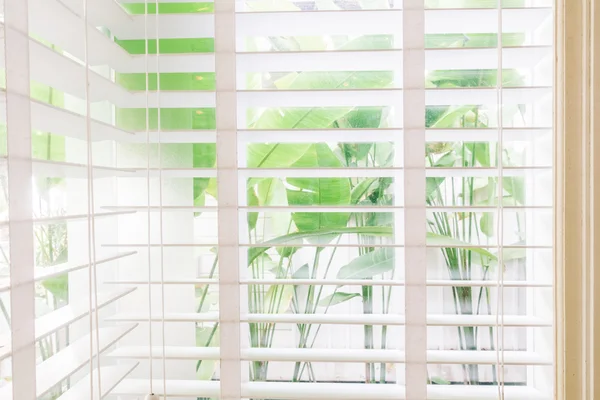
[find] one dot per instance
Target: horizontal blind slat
(327, 391)
(66, 362)
(290, 243)
(388, 60)
(320, 209)
(363, 135)
(65, 30)
(62, 317)
(381, 22)
(111, 376)
(386, 97)
(345, 319)
(48, 118)
(338, 282)
(356, 135)
(42, 273)
(331, 355)
(72, 217)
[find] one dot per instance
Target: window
(276, 199)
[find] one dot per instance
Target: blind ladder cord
(153, 396)
(499, 211)
(160, 203)
(92, 275)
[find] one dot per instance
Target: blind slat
(62, 317)
(322, 209)
(387, 60)
(111, 377)
(70, 33)
(327, 391)
(47, 118)
(380, 22)
(386, 97)
(42, 273)
(339, 282)
(66, 362)
(346, 319)
(73, 217)
(332, 355)
(383, 135)
(290, 243)
(170, 136)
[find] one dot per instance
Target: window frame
(577, 199)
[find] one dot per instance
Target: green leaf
(298, 118)
(368, 265)
(310, 43)
(204, 155)
(447, 160)
(58, 286)
(211, 188)
(384, 154)
(278, 298)
(275, 155)
(286, 81)
(287, 251)
(436, 380)
(168, 46)
(362, 189)
(515, 186)
(451, 118)
(169, 8)
(431, 186)
(486, 224)
(337, 298)
(433, 183)
(433, 239)
(252, 202)
(319, 191)
(293, 238)
(481, 150)
(266, 263)
(473, 77)
(510, 254)
(272, 192)
(301, 273)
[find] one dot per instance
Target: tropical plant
(286, 234)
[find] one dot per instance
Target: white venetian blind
(273, 199)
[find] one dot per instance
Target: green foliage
(275, 155)
(369, 265)
(169, 8)
(134, 119)
(337, 298)
(168, 46)
(168, 81)
(296, 118)
(59, 287)
(282, 235)
(319, 191)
